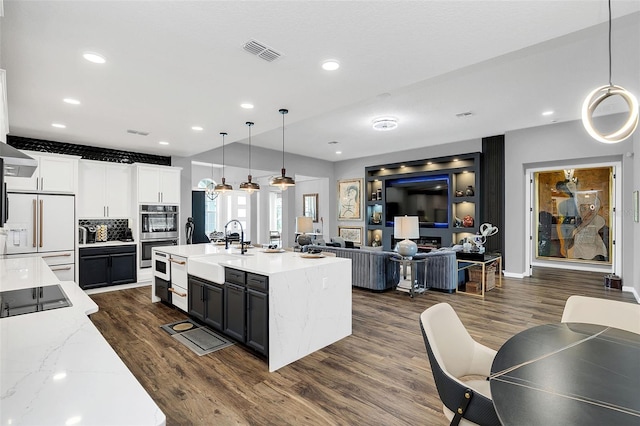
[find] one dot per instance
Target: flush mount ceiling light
(249, 186)
(384, 124)
(94, 57)
(330, 65)
(58, 125)
(223, 186)
(283, 181)
(597, 96)
(546, 113)
(71, 101)
(246, 105)
(163, 143)
(197, 128)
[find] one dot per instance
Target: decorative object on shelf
(310, 206)
(406, 227)
(304, 225)
(351, 233)
(379, 193)
(459, 193)
(374, 196)
(223, 186)
(376, 241)
(248, 185)
(376, 218)
(486, 230)
(467, 221)
(283, 181)
(469, 191)
(597, 96)
(457, 222)
(349, 191)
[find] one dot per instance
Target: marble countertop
(55, 366)
(107, 244)
(255, 260)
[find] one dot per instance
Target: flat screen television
(425, 196)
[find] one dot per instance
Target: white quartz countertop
(108, 244)
(256, 260)
(55, 366)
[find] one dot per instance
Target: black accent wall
(86, 152)
(492, 183)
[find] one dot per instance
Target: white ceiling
(175, 64)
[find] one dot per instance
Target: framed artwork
(574, 215)
(310, 206)
(350, 199)
(351, 233)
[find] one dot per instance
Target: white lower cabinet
(179, 282)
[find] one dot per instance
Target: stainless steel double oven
(158, 227)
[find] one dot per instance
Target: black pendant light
(249, 186)
(224, 186)
(283, 181)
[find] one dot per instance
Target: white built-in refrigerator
(43, 225)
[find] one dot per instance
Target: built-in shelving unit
(443, 192)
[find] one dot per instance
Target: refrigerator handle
(34, 222)
(41, 219)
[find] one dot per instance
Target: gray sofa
(441, 270)
(373, 270)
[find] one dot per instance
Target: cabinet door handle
(179, 262)
(177, 292)
(65, 268)
(41, 184)
(56, 255)
(41, 220)
(158, 196)
(107, 211)
(34, 222)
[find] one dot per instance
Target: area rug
(201, 340)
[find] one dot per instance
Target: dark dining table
(568, 374)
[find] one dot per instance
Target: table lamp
(406, 227)
(304, 224)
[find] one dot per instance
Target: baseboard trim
(633, 291)
(514, 275)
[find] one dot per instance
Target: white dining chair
(454, 355)
(611, 313)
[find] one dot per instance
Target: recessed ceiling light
(197, 128)
(330, 65)
(384, 124)
(246, 105)
(59, 125)
(338, 152)
(94, 57)
(163, 143)
(71, 101)
(547, 113)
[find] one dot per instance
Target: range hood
(16, 163)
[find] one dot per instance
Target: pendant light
(249, 186)
(283, 181)
(223, 186)
(597, 96)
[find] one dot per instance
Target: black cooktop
(29, 300)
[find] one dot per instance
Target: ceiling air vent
(261, 50)
(138, 132)
(464, 114)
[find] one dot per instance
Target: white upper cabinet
(55, 174)
(104, 190)
(157, 184)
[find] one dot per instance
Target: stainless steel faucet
(226, 236)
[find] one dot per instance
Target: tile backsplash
(115, 227)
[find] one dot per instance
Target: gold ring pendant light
(283, 181)
(249, 186)
(597, 96)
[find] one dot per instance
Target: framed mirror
(310, 206)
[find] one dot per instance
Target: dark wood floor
(379, 375)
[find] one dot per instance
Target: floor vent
(138, 132)
(261, 50)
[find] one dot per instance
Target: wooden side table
(487, 260)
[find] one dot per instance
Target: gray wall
(554, 145)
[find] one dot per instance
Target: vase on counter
(469, 191)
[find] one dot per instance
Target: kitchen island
(55, 366)
(308, 299)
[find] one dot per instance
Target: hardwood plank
(380, 375)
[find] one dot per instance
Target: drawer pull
(177, 292)
(179, 262)
(61, 269)
(56, 255)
